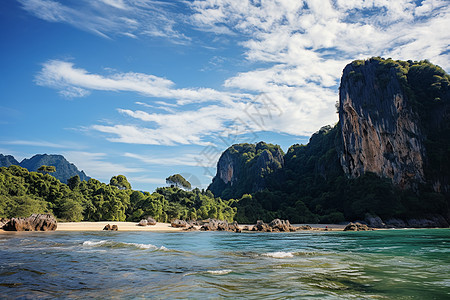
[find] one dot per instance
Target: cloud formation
(112, 18)
(303, 46)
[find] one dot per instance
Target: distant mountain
(7, 160)
(64, 169)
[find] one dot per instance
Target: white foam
(93, 243)
(142, 246)
(219, 272)
(279, 254)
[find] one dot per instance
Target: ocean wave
(279, 254)
(112, 244)
(219, 272)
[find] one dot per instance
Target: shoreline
(164, 227)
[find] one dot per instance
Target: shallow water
(385, 264)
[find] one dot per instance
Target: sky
(148, 89)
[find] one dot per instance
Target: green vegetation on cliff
(311, 185)
(23, 192)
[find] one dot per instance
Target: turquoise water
(385, 264)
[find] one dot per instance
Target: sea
(382, 264)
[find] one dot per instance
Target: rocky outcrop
(242, 168)
(178, 223)
(276, 225)
(220, 225)
(357, 227)
(380, 130)
(36, 222)
(111, 227)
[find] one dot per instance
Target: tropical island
(386, 162)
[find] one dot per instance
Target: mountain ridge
(64, 169)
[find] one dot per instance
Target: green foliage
(46, 169)
(120, 182)
(23, 193)
(178, 181)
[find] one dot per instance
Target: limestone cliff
(243, 168)
(382, 126)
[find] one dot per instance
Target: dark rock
(151, 221)
(143, 222)
(395, 223)
(304, 227)
(178, 223)
(356, 227)
(111, 227)
(374, 221)
(276, 225)
(219, 225)
(35, 222)
(3, 222)
(191, 228)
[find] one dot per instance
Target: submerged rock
(35, 222)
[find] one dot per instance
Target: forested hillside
(23, 193)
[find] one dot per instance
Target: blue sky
(148, 89)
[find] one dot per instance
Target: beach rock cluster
(220, 225)
(179, 223)
(276, 225)
(35, 222)
(427, 221)
(357, 227)
(111, 227)
(147, 222)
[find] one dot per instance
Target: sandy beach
(159, 227)
(123, 226)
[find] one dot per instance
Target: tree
(121, 182)
(74, 182)
(46, 169)
(178, 181)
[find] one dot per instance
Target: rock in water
(35, 222)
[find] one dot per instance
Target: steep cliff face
(380, 130)
(243, 168)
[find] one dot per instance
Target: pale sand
(123, 226)
(159, 227)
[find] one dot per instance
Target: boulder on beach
(143, 223)
(111, 227)
(219, 225)
(3, 222)
(35, 222)
(151, 221)
(304, 227)
(356, 227)
(276, 225)
(178, 223)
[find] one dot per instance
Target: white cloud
(97, 165)
(303, 45)
(37, 144)
(76, 82)
(191, 160)
(110, 18)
